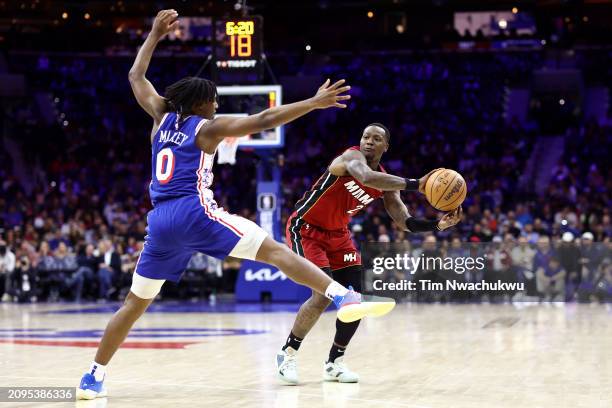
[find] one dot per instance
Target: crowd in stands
(76, 231)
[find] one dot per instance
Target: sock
(335, 289)
(97, 370)
(293, 341)
(335, 352)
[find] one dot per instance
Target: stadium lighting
(503, 24)
(370, 14)
(308, 47)
(514, 10)
(64, 15)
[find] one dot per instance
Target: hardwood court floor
(434, 356)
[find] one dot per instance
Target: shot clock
(238, 43)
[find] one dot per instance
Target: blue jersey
(178, 167)
(185, 218)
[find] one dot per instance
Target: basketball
(445, 190)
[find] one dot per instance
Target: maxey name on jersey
(167, 136)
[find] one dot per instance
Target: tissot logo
(264, 274)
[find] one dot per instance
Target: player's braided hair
(183, 95)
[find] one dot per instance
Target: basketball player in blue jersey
(185, 217)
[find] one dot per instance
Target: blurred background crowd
(75, 163)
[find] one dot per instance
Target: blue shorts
(178, 228)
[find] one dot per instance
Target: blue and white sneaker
(351, 308)
(90, 388)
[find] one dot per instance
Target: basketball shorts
(178, 228)
(324, 248)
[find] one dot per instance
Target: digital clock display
(238, 43)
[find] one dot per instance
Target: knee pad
(350, 276)
(145, 288)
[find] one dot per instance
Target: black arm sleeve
(415, 225)
(412, 184)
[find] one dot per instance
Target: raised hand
(450, 219)
(165, 22)
(328, 96)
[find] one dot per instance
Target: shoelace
(290, 362)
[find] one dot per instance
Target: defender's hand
(423, 180)
(450, 219)
(164, 23)
(328, 96)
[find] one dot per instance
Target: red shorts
(324, 248)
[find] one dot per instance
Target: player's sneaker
(90, 388)
(338, 371)
(286, 363)
(352, 308)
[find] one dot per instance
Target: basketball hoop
(227, 150)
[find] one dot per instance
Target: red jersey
(333, 200)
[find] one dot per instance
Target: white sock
(98, 370)
(335, 289)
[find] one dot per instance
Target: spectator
(129, 259)
(569, 256)
(551, 280)
(87, 263)
(46, 268)
(68, 276)
(591, 256)
(543, 253)
(499, 265)
(25, 280)
(109, 268)
(7, 267)
(522, 257)
(531, 235)
(603, 291)
(429, 271)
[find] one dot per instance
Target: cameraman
(25, 279)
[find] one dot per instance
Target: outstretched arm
(145, 93)
(401, 217)
(353, 162)
(224, 126)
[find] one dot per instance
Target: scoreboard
(238, 44)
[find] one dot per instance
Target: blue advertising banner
(257, 281)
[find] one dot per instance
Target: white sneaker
(338, 371)
(6, 297)
(286, 363)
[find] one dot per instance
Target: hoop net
(227, 150)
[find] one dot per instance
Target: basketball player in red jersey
(318, 230)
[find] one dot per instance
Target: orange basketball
(445, 190)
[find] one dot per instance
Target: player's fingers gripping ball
(445, 189)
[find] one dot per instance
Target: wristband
(412, 184)
(415, 225)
